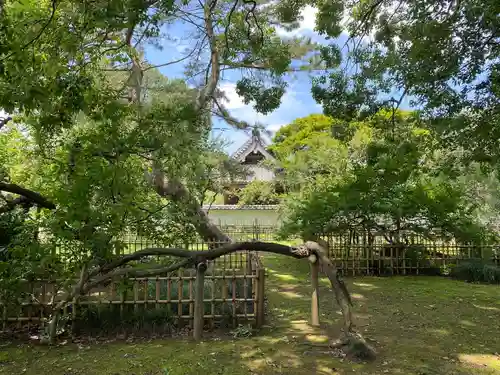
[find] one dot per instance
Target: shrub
(259, 193)
(477, 271)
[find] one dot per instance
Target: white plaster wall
(258, 172)
(244, 217)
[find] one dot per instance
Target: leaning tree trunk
(352, 343)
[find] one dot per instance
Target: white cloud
(233, 100)
(247, 113)
(307, 24)
(275, 127)
(309, 21)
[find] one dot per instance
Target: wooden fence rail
(233, 286)
(197, 298)
(406, 259)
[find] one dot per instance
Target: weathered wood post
(199, 306)
(261, 275)
(315, 290)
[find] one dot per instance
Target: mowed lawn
(419, 326)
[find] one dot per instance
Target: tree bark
(177, 192)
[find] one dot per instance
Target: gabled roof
(253, 144)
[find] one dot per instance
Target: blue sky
(297, 102)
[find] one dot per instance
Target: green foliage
(114, 145)
(24, 257)
(385, 174)
(442, 57)
(267, 99)
(94, 173)
(259, 193)
(242, 331)
(86, 148)
(296, 135)
(477, 271)
(212, 174)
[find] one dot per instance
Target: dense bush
(477, 271)
(259, 193)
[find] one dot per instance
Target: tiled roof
(253, 143)
(244, 147)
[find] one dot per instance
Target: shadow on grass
(419, 325)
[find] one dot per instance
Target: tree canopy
(443, 56)
(386, 173)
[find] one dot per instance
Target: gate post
(261, 275)
(315, 292)
(199, 306)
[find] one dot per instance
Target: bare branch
(367, 15)
(226, 116)
(186, 17)
(4, 121)
(193, 51)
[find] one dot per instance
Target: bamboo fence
(233, 286)
(197, 298)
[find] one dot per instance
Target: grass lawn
(419, 325)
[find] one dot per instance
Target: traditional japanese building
(251, 154)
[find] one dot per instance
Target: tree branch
(226, 116)
(4, 121)
(176, 191)
(135, 273)
(195, 257)
(177, 60)
(28, 195)
(208, 91)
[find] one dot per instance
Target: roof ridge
(244, 147)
